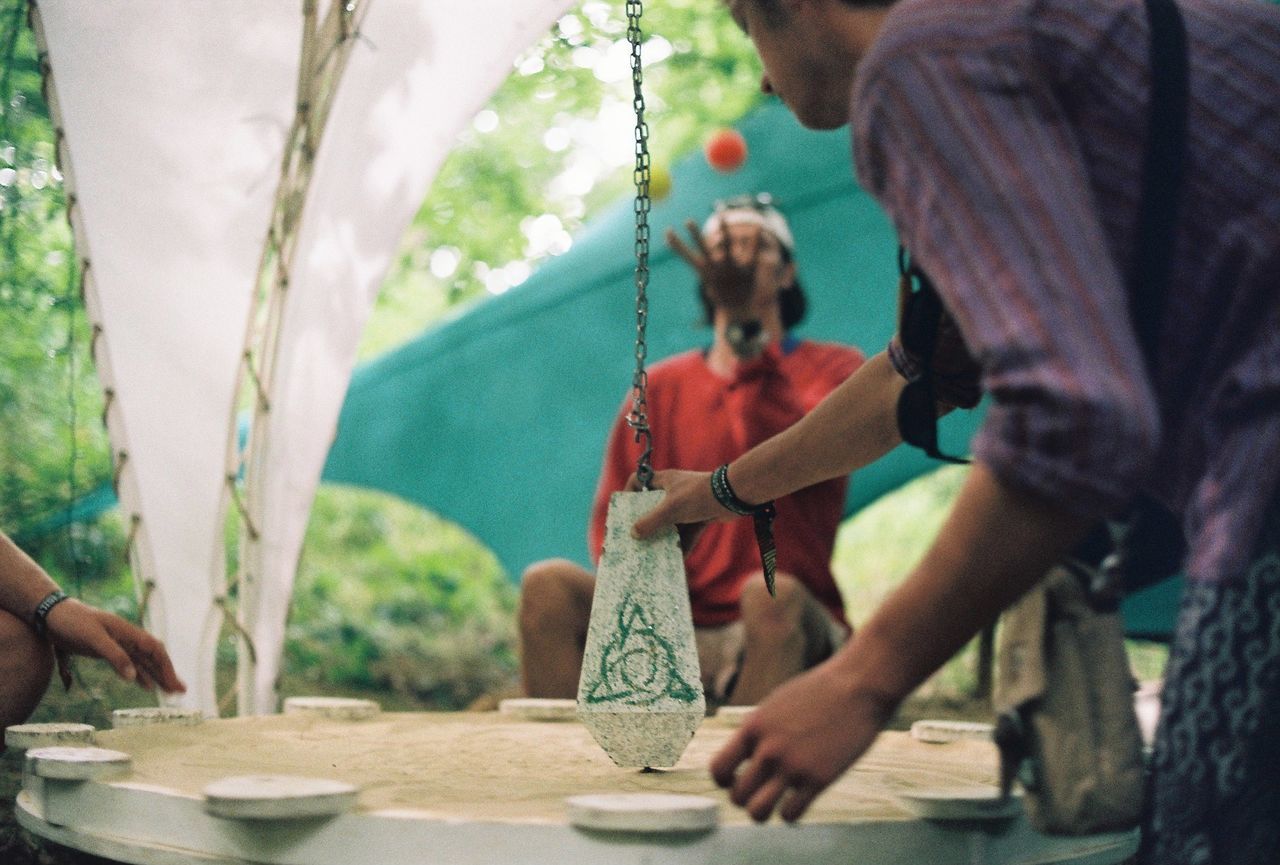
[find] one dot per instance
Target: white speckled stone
(78, 764)
(940, 732)
(278, 797)
(734, 715)
(962, 803)
(643, 812)
(539, 709)
(148, 715)
(333, 708)
(640, 693)
(23, 737)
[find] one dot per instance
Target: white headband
(770, 220)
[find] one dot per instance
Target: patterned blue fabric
(1214, 796)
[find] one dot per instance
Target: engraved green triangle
(638, 667)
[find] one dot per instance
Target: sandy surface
(485, 766)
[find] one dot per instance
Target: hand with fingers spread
(727, 267)
(36, 615)
(134, 654)
(799, 741)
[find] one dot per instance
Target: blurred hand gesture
(137, 656)
(726, 269)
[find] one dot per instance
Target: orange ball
(726, 150)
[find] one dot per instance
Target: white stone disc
(952, 731)
(147, 715)
(23, 737)
(734, 715)
(78, 764)
(962, 803)
(278, 797)
(333, 708)
(539, 709)
(643, 812)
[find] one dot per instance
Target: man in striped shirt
(1005, 140)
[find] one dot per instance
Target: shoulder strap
(1162, 171)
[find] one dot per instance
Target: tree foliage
(555, 144)
(51, 444)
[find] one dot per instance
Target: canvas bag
(1066, 720)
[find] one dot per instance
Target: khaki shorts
(720, 651)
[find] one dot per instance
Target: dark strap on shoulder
(1163, 166)
(1162, 171)
(1151, 544)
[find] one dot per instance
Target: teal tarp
(496, 419)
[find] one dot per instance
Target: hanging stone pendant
(640, 693)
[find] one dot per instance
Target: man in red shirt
(706, 407)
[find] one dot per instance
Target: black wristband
(39, 619)
(728, 499)
(762, 515)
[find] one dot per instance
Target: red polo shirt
(701, 420)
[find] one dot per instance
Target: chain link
(638, 420)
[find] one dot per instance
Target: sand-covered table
(483, 787)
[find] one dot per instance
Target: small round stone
(23, 737)
(333, 708)
(78, 764)
(734, 715)
(278, 797)
(643, 812)
(938, 732)
(148, 715)
(539, 709)
(962, 803)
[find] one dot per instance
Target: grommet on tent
(24, 737)
(145, 716)
(539, 709)
(643, 812)
(278, 797)
(332, 708)
(940, 732)
(78, 764)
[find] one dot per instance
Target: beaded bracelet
(762, 515)
(40, 617)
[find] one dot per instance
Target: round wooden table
(472, 788)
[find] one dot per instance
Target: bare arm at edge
(855, 425)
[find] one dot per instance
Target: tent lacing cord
(318, 74)
(120, 458)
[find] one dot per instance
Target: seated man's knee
(26, 665)
(773, 617)
(552, 591)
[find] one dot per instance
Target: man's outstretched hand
(136, 655)
(688, 505)
(800, 740)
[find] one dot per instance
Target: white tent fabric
(419, 72)
(175, 116)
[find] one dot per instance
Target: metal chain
(638, 420)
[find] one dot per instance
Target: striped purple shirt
(1005, 140)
